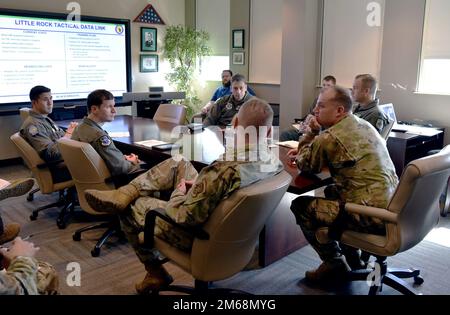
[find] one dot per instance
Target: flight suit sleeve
(381, 124)
(213, 184)
(213, 115)
(20, 278)
(113, 157)
(377, 120)
(41, 142)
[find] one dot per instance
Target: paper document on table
(119, 134)
(423, 131)
(290, 144)
(150, 143)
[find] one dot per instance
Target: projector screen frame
(7, 108)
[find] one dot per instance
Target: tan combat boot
(17, 188)
(10, 232)
(328, 270)
(111, 201)
(157, 277)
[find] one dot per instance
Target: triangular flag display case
(149, 16)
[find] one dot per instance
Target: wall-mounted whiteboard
(349, 45)
(265, 41)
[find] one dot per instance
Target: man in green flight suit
(100, 104)
(225, 108)
(362, 171)
(194, 195)
(41, 132)
(364, 94)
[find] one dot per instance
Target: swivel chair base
(113, 228)
(381, 274)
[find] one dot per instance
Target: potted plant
(183, 46)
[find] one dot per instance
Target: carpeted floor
(117, 269)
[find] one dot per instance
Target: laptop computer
(388, 109)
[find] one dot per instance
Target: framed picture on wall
(238, 38)
(149, 39)
(149, 63)
(238, 58)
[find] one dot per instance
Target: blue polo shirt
(224, 91)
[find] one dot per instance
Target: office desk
(405, 147)
(280, 236)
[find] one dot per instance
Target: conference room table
(280, 236)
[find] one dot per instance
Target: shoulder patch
(105, 141)
(33, 130)
(380, 124)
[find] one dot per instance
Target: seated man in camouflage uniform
(227, 107)
(41, 132)
(361, 168)
(194, 195)
(292, 134)
(100, 104)
(364, 94)
(20, 273)
(23, 274)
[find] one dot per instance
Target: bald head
(255, 112)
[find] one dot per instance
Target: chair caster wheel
(61, 224)
(33, 216)
(95, 252)
(76, 237)
(418, 280)
(30, 198)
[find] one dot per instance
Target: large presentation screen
(71, 58)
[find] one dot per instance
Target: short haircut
(342, 97)
(368, 82)
(256, 112)
(36, 91)
(238, 78)
(330, 78)
(97, 97)
(229, 71)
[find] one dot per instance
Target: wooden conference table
(280, 236)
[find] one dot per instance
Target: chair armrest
(378, 213)
(149, 227)
(48, 164)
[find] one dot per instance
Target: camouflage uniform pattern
(90, 132)
(41, 133)
(373, 114)
(223, 111)
(214, 183)
(27, 276)
(362, 171)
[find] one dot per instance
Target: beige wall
(171, 11)
(299, 66)
(400, 65)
